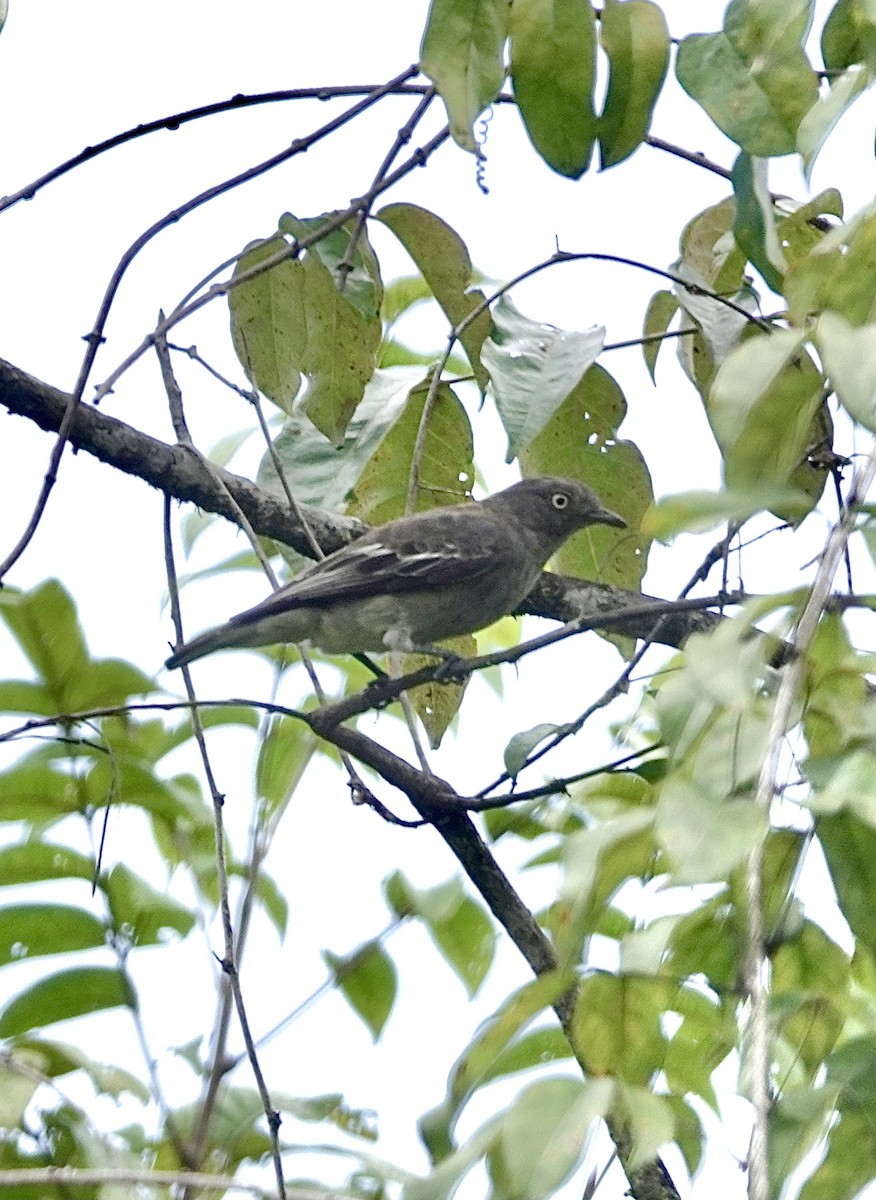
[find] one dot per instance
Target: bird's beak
(606, 517)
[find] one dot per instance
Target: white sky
(71, 75)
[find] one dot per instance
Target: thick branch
(181, 474)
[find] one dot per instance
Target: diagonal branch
(178, 473)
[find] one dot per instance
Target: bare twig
(759, 1184)
(96, 336)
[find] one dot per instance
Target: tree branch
(178, 473)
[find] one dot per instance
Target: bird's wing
(432, 550)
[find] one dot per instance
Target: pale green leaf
(31, 930)
(533, 368)
(849, 358)
(462, 53)
(819, 122)
(753, 78)
(704, 836)
(268, 326)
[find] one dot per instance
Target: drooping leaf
(849, 358)
(443, 258)
(268, 326)
(662, 307)
(762, 406)
(838, 274)
(553, 63)
(368, 982)
(461, 53)
(635, 37)
(754, 227)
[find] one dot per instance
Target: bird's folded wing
(415, 560)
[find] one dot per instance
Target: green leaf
(617, 1025)
(662, 307)
(24, 696)
(754, 227)
(284, 753)
(580, 442)
(553, 65)
(37, 793)
(478, 1063)
(356, 274)
(849, 845)
(819, 122)
(753, 78)
(17, 1086)
(443, 259)
(649, 1118)
(544, 1133)
(635, 37)
(67, 994)
(838, 274)
(461, 53)
(140, 913)
(446, 465)
(30, 861)
(705, 1037)
(44, 623)
(705, 837)
(268, 321)
(32, 930)
(522, 744)
(697, 512)
(849, 358)
(533, 368)
(762, 407)
(54, 1058)
(596, 861)
(340, 353)
(367, 980)
(850, 1162)
(849, 35)
(809, 984)
(467, 939)
(722, 326)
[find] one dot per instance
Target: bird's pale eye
(559, 500)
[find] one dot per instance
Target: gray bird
(419, 579)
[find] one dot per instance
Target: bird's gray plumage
(417, 580)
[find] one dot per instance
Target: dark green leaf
(31, 930)
(635, 37)
(553, 65)
(140, 913)
(67, 994)
(367, 980)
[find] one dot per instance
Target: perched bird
(416, 580)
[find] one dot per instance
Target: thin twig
(229, 959)
(759, 1184)
(96, 336)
